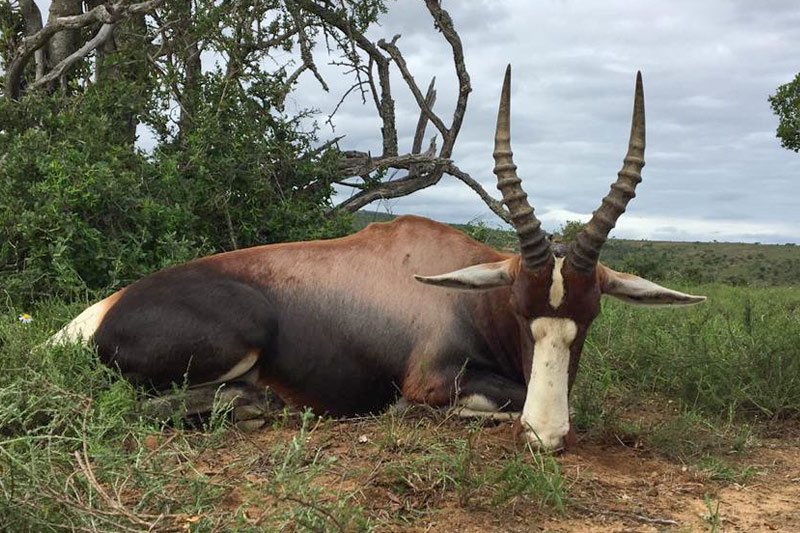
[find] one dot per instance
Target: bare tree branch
(104, 13)
(395, 54)
(386, 108)
(444, 23)
(423, 170)
(305, 48)
(428, 171)
(495, 205)
(33, 23)
(105, 33)
(320, 149)
(422, 123)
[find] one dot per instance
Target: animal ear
(477, 277)
(639, 291)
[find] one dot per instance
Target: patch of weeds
(717, 469)
(691, 435)
(628, 432)
(540, 479)
(290, 473)
(713, 517)
(400, 433)
(596, 395)
(425, 467)
(422, 478)
(468, 476)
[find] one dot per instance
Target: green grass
(425, 467)
(713, 517)
(694, 385)
(739, 352)
(707, 262)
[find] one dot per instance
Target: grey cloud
(708, 69)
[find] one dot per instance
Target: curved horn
(586, 248)
(533, 243)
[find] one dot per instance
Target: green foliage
(569, 230)
(478, 230)
(645, 264)
(79, 209)
(500, 239)
(786, 104)
(83, 211)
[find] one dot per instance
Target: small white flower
(25, 318)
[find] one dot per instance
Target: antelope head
(556, 288)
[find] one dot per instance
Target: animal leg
(491, 396)
(251, 405)
(472, 393)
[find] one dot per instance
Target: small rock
(151, 442)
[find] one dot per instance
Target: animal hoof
(248, 426)
(247, 412)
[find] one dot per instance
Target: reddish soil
(612, 487)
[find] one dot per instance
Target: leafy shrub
(82, 210)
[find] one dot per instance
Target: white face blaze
(557, 287)
(545, 416)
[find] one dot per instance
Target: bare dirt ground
(397, 474)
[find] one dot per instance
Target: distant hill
(695, 262)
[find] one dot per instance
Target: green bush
(82, 210)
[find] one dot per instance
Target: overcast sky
(715, 169)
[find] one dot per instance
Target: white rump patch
(85, 324)
(557, 287)
(545, 416)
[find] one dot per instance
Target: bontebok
(345, 327)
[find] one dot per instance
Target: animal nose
(544, 442)
(547, 441)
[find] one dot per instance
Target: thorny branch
(338, 20)
(305, 47)
(423, 170)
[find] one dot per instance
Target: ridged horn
(585, 250)
(533, 243)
